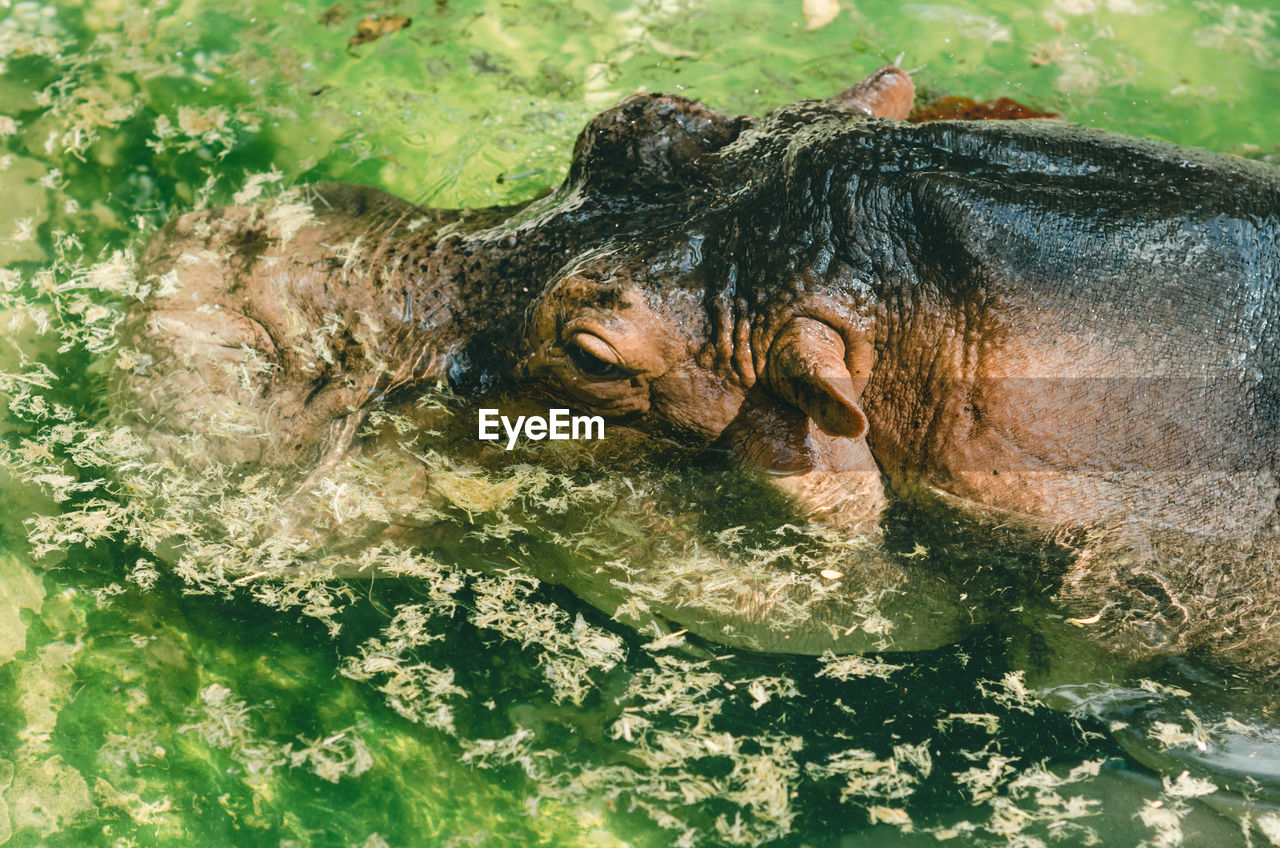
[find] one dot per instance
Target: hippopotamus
(1056, 327)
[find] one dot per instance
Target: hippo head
(649, 328)
(628, 334)
(639, 290)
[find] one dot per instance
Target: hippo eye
(587, 353)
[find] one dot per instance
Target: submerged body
(1068, 328)
(1081, 328)
(1043, 320)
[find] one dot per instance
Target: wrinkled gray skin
(1066, 329)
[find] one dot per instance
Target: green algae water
(233, 691)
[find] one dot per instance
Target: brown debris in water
(373, 27)
(332, 15)
(952, 108)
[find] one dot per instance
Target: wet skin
(1065, 328)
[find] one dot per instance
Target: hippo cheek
(622, 399)
(832, 478)
(843, 488)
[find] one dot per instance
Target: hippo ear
(888, 93)
(806, 368)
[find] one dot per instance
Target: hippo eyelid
(594, 356)
(595, 346)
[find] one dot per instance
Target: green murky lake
(231, 695)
